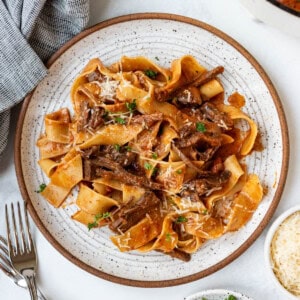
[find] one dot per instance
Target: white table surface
(279, 54)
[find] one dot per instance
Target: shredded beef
(204, 185)
(90, 117)
(189, 96)
(211, 113)
(199, 138)
(176, 253)
(118, 173)
(208, 76)
(147, 120)
(131, 213)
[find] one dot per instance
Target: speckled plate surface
(166, 37)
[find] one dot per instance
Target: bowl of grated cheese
(282, 252)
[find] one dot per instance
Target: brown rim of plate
(263, 223)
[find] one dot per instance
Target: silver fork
(20, 247)
(7, 268)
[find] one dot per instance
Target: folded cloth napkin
(31, 31)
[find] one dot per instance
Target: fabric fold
(31, 31)
(21, 67)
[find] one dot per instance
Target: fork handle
(29, 276)
(40, 295)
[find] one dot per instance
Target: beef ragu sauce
(236, 100)
(153, 150)
(232, 148)
(258, 145)
(292, 4)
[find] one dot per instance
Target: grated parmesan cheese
(108, 88)
(285, 253)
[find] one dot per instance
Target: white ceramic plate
(267, 248)
(166, 37)
(217, 294)
(274, 16)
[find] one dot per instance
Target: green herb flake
(181, 219)
(179, 171)
(156, 58)
(231, 297)
(101, 216)
(128, 148)
(148, 166)
(168, 237)
(204, 212)
(155, 171)
(203, 298)
(200, 127)
(154, 155)
(120, 120)
(41, 187)
(151, 74)
(117, 147)
(92, 225)
(98, 217)
(131, 106)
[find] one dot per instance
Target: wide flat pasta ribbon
(65, 177)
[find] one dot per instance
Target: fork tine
(9, 243)
(15, 231)
(22, 237)
(30, 246)
(3, 246)
(5, 259)
(5, 263)
(6, 269)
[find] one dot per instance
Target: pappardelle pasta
(156, 154)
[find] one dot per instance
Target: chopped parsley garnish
(179, 171)
(92, 225)
(98, 217)
(131, 106)
(203, 298)
(117, 147)
(154, 155)
(148, 166)
(41, 187)
(155, 171)
(120, 120)
(151, 74)
(181, 219)
(168, 237)
(128, 148)
(200, 127)
(231, 297)
(156, 58)
(204, 212)
(102, 216)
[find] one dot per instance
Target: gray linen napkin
(30, 32)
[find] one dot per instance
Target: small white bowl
(217, 294)
(267, 249)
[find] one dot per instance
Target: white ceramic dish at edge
(274, 16)
(267, 247)
(217, 294)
